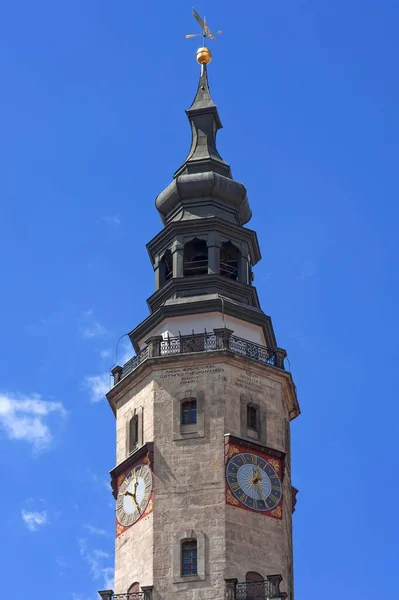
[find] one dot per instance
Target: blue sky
(93, 126)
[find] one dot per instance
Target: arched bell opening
(165, 268)
(195, 258)
(229, 260)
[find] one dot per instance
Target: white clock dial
(134, 495)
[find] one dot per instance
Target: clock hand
(261, 493)
(257, 476)
(134, 498)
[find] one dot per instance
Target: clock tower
(202, 482)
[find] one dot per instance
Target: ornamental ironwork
(203, 342)
(267, 589)
(129, 596)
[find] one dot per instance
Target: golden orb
(204, 56)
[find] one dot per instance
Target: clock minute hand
(261, 494)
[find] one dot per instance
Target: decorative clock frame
(257, 458)
(142, 456)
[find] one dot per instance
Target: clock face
(253, 481)
(134, 495)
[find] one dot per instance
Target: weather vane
(204, 55)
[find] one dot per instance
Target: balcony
(109, 595)
(268, 589)
(220, 339)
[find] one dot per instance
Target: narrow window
(252, 417)
(189, 411)
(189, 558)
(133, 433)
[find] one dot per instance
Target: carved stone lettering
(191, 374)
(250, 382)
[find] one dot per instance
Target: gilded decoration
(232, 450)
(277, 512)
(230, 498)
(276, 464)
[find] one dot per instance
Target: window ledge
(251, 433)
(188, 578)
(189, 428)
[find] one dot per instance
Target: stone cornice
(208, 284)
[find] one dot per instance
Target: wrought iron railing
(256, 590)
(134, 362)
(129, 596)
(109, 595)
(204, 342)
(186, 344)
(267, 589)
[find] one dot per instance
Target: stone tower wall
(189, 478)
(134, 547)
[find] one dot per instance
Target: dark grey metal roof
(204, 173)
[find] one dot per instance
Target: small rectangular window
(189, 411)
(189, 558)
(133, 433)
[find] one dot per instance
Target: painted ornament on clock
(253, 483)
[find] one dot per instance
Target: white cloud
(90, 327)
(96, 530)
(97, 561)
(106, 353)
(112, 220)
(98, 386)
(34, 520)
(24, 418)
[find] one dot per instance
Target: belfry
(202, 481)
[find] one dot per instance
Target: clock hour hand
(133, 495)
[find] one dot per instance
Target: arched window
(256, 588)
(188, 411)
(133, 590)
(195, 258)
(229, 260)
(165, 268)
(189, 558)
(133, 433)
